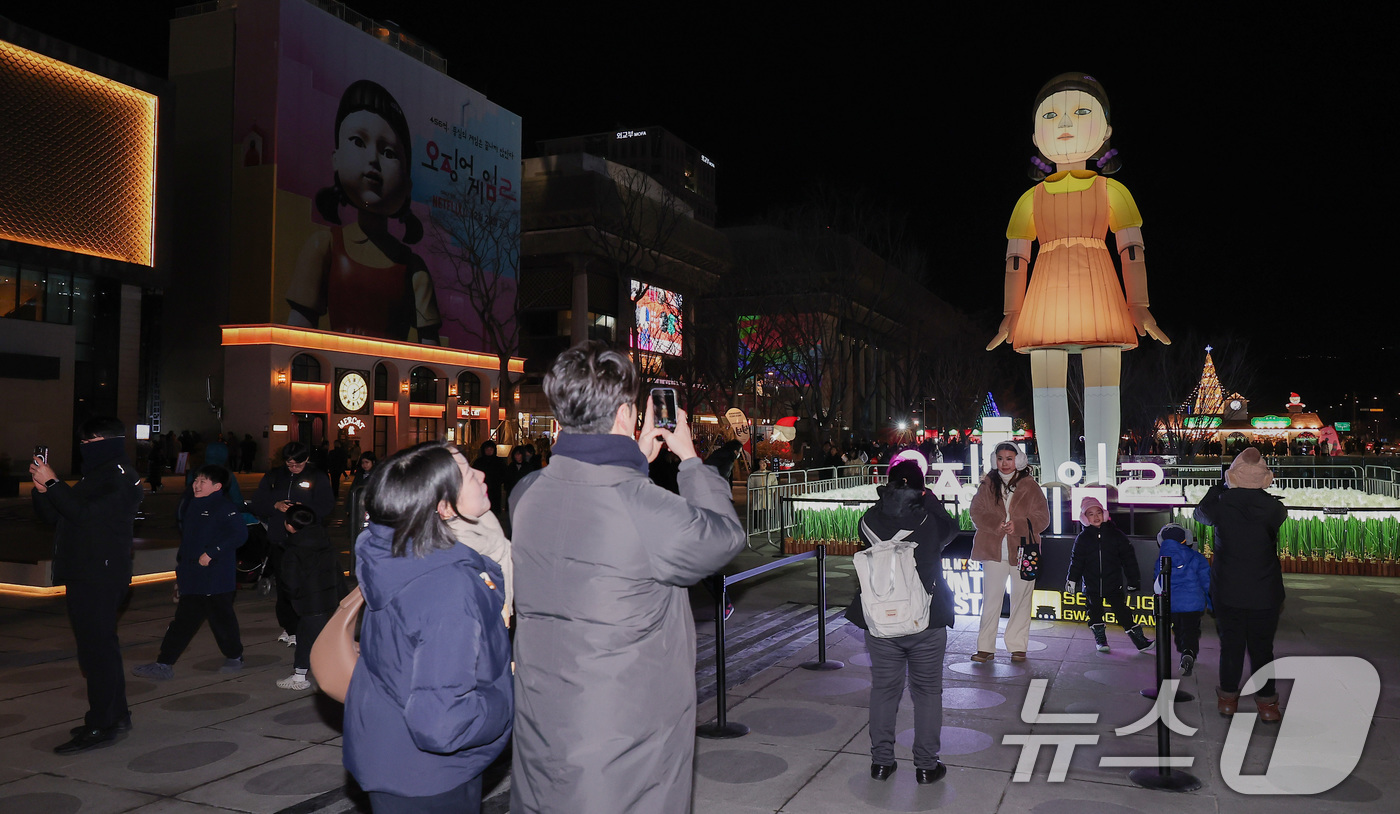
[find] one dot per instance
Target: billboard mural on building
(397, 188)
(660, 319)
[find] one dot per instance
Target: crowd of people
(509, 604)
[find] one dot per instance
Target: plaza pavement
(206, 742)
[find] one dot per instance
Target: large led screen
(660, 320)
(77, 159)
(398, 206)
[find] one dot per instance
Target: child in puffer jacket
(1190, 590)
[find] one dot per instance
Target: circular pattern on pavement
(1355, 629)
(49, 802)
(788, 722)
(1328, 600)
(860, 659)
(737, 766)
(992, 669)
(134, 686)
(828, 685)
(1041, 624)
(1340, 613)
(1032, 645)
(249, 660)
(901, 792)
(301, 716)
(182, 757)
(43, 675)
(1351, 790)
(953, 740)
(308, 778)
(203, 702)
(1081, 807)
(9, 720)
(1121, 680)
(971, 698)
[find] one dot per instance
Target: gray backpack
(892, 597)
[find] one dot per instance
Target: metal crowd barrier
(722, 726)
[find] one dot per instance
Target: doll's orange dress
(1074, 299)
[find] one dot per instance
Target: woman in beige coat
(1008, 506)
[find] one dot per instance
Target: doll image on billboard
(1074, 302)
(362, 277)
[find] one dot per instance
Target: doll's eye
(357, 141)
(1083, 111)
(1052, 114)
(390, 153)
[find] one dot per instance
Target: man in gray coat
(605, 643)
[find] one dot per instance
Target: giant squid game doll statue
(1074, 303)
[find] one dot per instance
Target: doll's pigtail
(1107, 161)
(1039, 168)
(412, 227)
(328, 202)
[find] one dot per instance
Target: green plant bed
(1323, 538)
(840, 524)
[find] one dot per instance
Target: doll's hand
(1146, 325)
(1008, 324)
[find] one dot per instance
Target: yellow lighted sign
(78, 159)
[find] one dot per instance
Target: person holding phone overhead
(605, 641)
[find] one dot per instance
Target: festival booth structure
(1208, 416)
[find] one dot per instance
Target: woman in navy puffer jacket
(430, 702)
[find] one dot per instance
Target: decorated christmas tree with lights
(1208, 398)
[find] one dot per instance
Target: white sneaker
(294, 682)
(289, 640)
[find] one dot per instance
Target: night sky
(1254, 145)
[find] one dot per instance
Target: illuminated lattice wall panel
(77, 159)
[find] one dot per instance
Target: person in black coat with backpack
(1102, 557)
(905, 505)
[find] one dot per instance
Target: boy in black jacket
(1102, 556)
(312, 579)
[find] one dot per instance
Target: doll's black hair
(1106, 161)
(371, 96)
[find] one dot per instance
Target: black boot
(1188, 663)
(1141, 642)
(1100, 637)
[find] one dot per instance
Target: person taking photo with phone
(92, 559)
(605, 642)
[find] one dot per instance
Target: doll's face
(371, 164)
(1070, 126)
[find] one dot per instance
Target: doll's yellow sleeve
(1122, 209)
(1022, 225)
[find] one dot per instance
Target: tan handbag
(335, 652)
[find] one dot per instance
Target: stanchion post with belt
(1163, 777)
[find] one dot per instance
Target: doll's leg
(1051, 403)
(1102, 412)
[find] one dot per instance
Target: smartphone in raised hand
(663, 407)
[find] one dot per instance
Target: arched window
(381, 382)
(305, 368)
(422, 386)
(469, 388)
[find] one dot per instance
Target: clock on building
(352, 391)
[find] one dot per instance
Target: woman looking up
(430, 702)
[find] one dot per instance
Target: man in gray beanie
(1246, 580)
